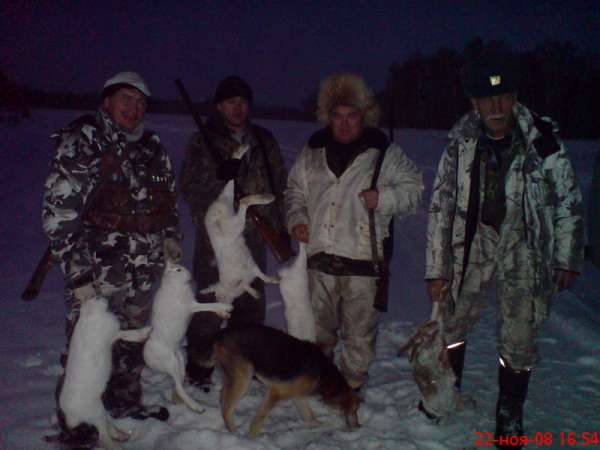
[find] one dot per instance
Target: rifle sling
(377, 261)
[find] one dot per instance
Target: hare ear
(228, 192)
(168, 264)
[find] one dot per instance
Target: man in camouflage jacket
(260, 170)
(505, 206)
(109, 211)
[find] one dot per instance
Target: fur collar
(373, 138)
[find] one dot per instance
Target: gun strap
(377, 261)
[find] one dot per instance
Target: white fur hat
(132, 79)
(347, 89)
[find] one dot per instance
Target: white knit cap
(131, 78)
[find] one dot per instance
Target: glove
(85, 292)
(171, 250)
(228, 169)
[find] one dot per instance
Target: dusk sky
(281, 48)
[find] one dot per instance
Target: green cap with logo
(492, 73)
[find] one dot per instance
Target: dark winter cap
(232, 86)
(490, 74)
(125, 79)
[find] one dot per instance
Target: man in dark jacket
(109, 211)
(260, 170)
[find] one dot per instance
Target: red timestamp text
(541, 439)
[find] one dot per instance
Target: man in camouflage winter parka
(506, 207)
(260, 170)
(112, 237)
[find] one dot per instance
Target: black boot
(509, 409)
(456, 358)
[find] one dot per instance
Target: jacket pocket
(540, 192)
(364, 238)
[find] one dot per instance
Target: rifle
(39, 275)
(279, 246)
(382, 264)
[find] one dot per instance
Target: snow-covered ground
(564, 394)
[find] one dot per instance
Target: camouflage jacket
(200, 186)
(337, 220)
(74, 173)
(542, 195)
(594, 213)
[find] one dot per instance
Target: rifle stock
(39, 275)
(279, 246)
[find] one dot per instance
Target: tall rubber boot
(509, 408)
(456, 358)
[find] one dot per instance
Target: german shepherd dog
(289, 367)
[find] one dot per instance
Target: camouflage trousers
(522, 302)
(344, 305)
(126, 281)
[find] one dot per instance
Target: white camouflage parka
(541, 189)
(337, 220)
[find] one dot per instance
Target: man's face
(346, 124)
(496, 113)
(126, 107)
(235, 112)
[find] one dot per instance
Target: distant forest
(557, 80)
(423, 91)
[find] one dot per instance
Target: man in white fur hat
(328, 199)
(110, 214)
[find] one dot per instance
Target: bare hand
(84, 293)
(300, 233)
(434, 288)
(171, 250)
(370, 198)
(564, 279)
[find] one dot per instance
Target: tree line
(423, 91)
(557, 80)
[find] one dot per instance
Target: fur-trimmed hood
(348, 90)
